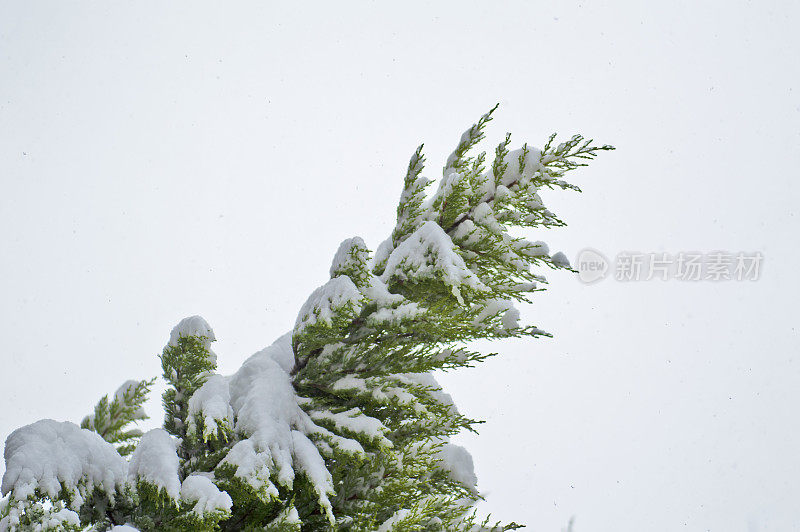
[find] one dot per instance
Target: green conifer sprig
(339, 425)
(458, 160)
(110, 418)
(185, 366)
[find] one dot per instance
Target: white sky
(161, 161)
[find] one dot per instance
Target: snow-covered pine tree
(339, 424)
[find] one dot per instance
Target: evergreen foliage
(339, 425)
(111, 419)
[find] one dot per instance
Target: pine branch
(109, 419)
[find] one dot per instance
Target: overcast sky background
(163, 160)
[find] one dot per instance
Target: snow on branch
(339, 423)
(55, 458)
